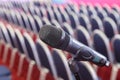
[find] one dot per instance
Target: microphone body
(57, 38)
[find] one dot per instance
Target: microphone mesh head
(50, 35)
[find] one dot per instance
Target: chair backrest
(31, 49)
(45, 57)
(20, 41)
(2, 49)
(25, 20)
(34, 72)
(24, 67)
(7, 54)
(65, 17)
(115, 46)
(83, 36)
(38, 22)
(96, 23)
(4, 33)
(15, 61)
(74, 20)
(43, 12)
(55, 23)
(115, 7)
(37, 11)
(104, 73)
(9, 19)
(11, 34)
(102, 45)
(110, 27)
(50, 14)
(13, 16)
(67, 28)
(57, 15)
(83, 10)
(45, 21)
(31, 9)
(20, 19)
(84, 21)
(32, 23)
(61, 64)
(101, 14)
(86, 71)
(106, 8)
(115, 16)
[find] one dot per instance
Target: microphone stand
(74, 68)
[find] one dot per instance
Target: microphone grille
(51, 35)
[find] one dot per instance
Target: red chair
(118, 75)
(104, 72)
(35, 72)
(2, 48)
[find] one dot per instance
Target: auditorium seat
(35, 72)
(13, 16)
(91, 10)
(45, 21)
(67, 28)
(116, 8)
(32, 23)
(4, 33)
(83, 36)
(31, 9)
(20, 41)
(102, 45)
(57, 15)
(50, 14)
(45, 57)
(55, 23)
(25, 21)
(101, 14)
(106, 8)
(74, 20)
(37, 11)
(104, 73)
(115, 46)
(118, 74)
(31, 49)
(9, 19)
(24, 69)
(16, 61)
(65, 17)
(20, 20)
(67, 9)
(86, 71)
(83, 10)
(110, 27)
(96, 23)
(61, 65)
(97, 7)
(84, 21)
(2, 50)
(38, 22)
(5, 54)
(115, 16)
(11, 34)
(43, 12)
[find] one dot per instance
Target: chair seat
(4, 71)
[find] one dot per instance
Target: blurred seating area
(23, 56)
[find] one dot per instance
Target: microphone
(57, 38)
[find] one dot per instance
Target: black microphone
(57, 38)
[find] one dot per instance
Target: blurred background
(23, 56)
